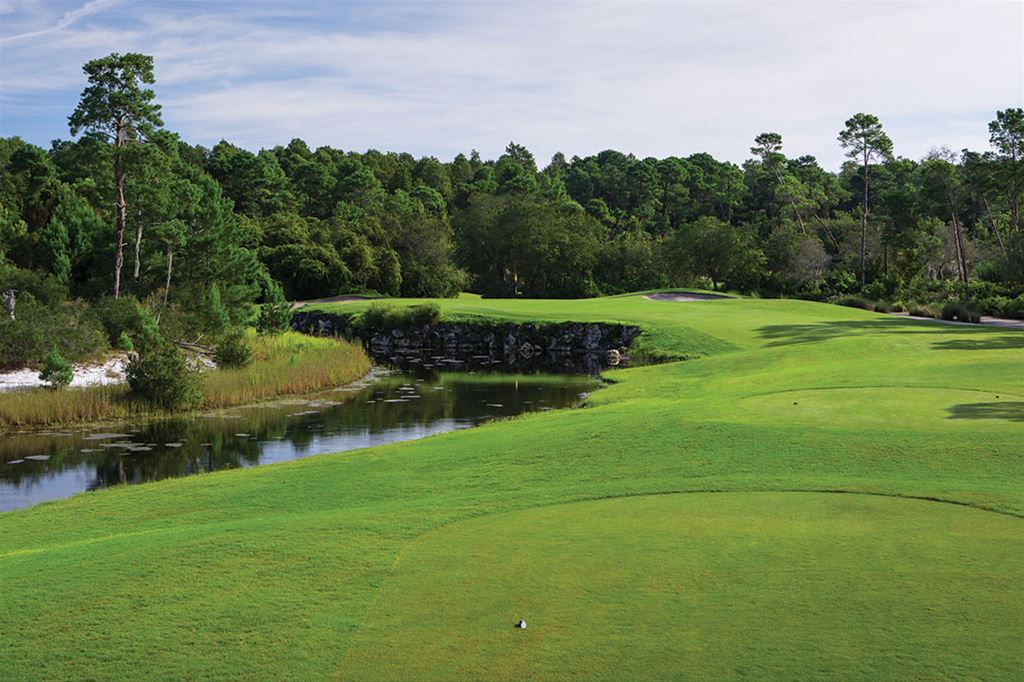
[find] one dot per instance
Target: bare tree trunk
(864, 227)
(961, 257)
(121, 209)
(170, 265)
(167, 284)
(828, 231)
(138, 243)
(995, 228)
(1015, 213)
(799, 218)
(9, 301)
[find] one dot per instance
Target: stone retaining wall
(568, 346)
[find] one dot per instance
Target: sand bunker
(670, 296)
(330, 299)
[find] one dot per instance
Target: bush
(275, 313)
(882, 307)
(385, 317)
(160, 376)
(836, 283)
(126, 319)
(881, 288)
(856, 302)
(1013, 308)
(213, 314)
(380, 317)
(960, 312)
(233, 351)
(56, 372)
(69, 328)
(424, 314)
(919, 310)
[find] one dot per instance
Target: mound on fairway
(416, 559)
(705, 586)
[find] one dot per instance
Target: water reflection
(386, 408)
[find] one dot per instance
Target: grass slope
(414, 560)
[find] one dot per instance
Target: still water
(388, 407)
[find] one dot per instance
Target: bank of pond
(387, 406)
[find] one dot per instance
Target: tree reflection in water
(392, 406)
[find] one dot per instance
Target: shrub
(380, 317)
(424, 314)
(124, 342)
(69, 328)
(274, 317)
(160, 376)
(956, 310)
(856, 302)
(385, 317)
(883, 287)
(919, 310)
(882, 307)
(213, 314)
(1013, 308)
(56, 372)
(233, 351)
(836, 283)
(119, 316)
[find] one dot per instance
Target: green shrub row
(386, 317)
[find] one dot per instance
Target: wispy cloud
(69, 18)
(437, 78)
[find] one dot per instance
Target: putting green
(705, 586)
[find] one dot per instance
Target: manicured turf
(702, 583)
(414, 560)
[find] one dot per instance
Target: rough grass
(283, 364)
(405, 560)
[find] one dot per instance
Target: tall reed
(286, 364)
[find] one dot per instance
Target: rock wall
(570, 346)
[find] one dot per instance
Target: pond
(385, 408)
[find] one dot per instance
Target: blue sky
(433, 78)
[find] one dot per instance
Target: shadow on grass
(1010, 411)
(967, 338)
(1000, 342)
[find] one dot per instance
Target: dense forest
(210, 238)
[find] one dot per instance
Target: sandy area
(110, 372)
(330, 299)
(986, 320)
(670, 296)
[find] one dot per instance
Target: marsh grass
(285, 364)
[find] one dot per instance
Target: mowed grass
(414, 560)
(285, 364)
(703, 585)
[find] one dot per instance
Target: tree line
(130, 208)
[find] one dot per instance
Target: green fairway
(414, 560)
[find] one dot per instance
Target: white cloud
(654, 79)
(69, 18)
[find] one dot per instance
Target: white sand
(110, 372)
(680, 297)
